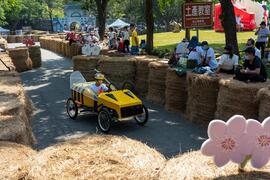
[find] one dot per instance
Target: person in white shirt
(228, 61)
(208, 56)
(251, 43)
(195, 51)
(112, 38)
(92, 39)
(99, 87)
(263, 33)
(181, 48)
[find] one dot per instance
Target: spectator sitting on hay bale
(194, 55)
(254, 70)
(71, 37)
(208, 56)
(228, 61)
(251, 43)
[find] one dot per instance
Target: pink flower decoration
(257, 141)
(225, 140)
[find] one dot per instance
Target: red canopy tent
(247, 18)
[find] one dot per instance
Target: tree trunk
(102, 14)
(187, 35)
(150, 26)
(51, 19)
(229, 24)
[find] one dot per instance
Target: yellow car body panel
(119, 99)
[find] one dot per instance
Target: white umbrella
(119, 23)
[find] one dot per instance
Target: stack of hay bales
(202, 97)
(35, 55)
(97, 157)
(75, 49)
(157, 82)
(264, 100)
(3, 43)
(20, 58)
(194, 165)
(86, 65)
(176, 92)
(66, 49)
(118, 70)
(142, 73)
(19, 39)
(8, 64)
(14, 160)
(11, 39)
(42, 42)
(236, 97)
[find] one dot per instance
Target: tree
(229, 24)
(102, 15)
(150, 25)
(53, 5)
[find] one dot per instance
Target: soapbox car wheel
(104, 120)
(143, 118)
(72, 108)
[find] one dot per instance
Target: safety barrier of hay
(8, 64)
(157, 82)
(11, 39)
(142, 73)
(176, 92)
(236, 97)
(3, 43)
(202, 96)
(118, 70)
(75, 49)
(264, 103)
(19, 39)
(194, 165)
(86, 65)
(35, 55)
(20, 58)
(97, 157)
(14, 160)
(66, 49)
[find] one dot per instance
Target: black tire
(129, 85)
(72, 108)
(142, 119)
(104, 120)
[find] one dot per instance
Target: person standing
(126, 39)
(134, 40)
(263, 34)
(111, 35)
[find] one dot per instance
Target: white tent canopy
(3, 30)
(119, 23)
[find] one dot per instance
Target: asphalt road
(48, 88)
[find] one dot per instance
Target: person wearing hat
(99, 86)
(228, 61)
(254, 70)
(208, 56)
(194, 52)
(263, 34)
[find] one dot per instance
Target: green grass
(169, 40)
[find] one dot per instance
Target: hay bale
(86, 65)
(264, 103)
(118, 70)
(11, 39)
(9, 78)
(3, 43)
(14, 160)
(157, 82)
(20, 58)
(66, 49)
(97, 157)
(236, 97)
(35, 55)
(202, 96)
(7, 61)
(19, 39)
(142, 73)
(75, 49)
(194, 165)
(176, 92)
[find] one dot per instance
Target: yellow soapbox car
(115, 105)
